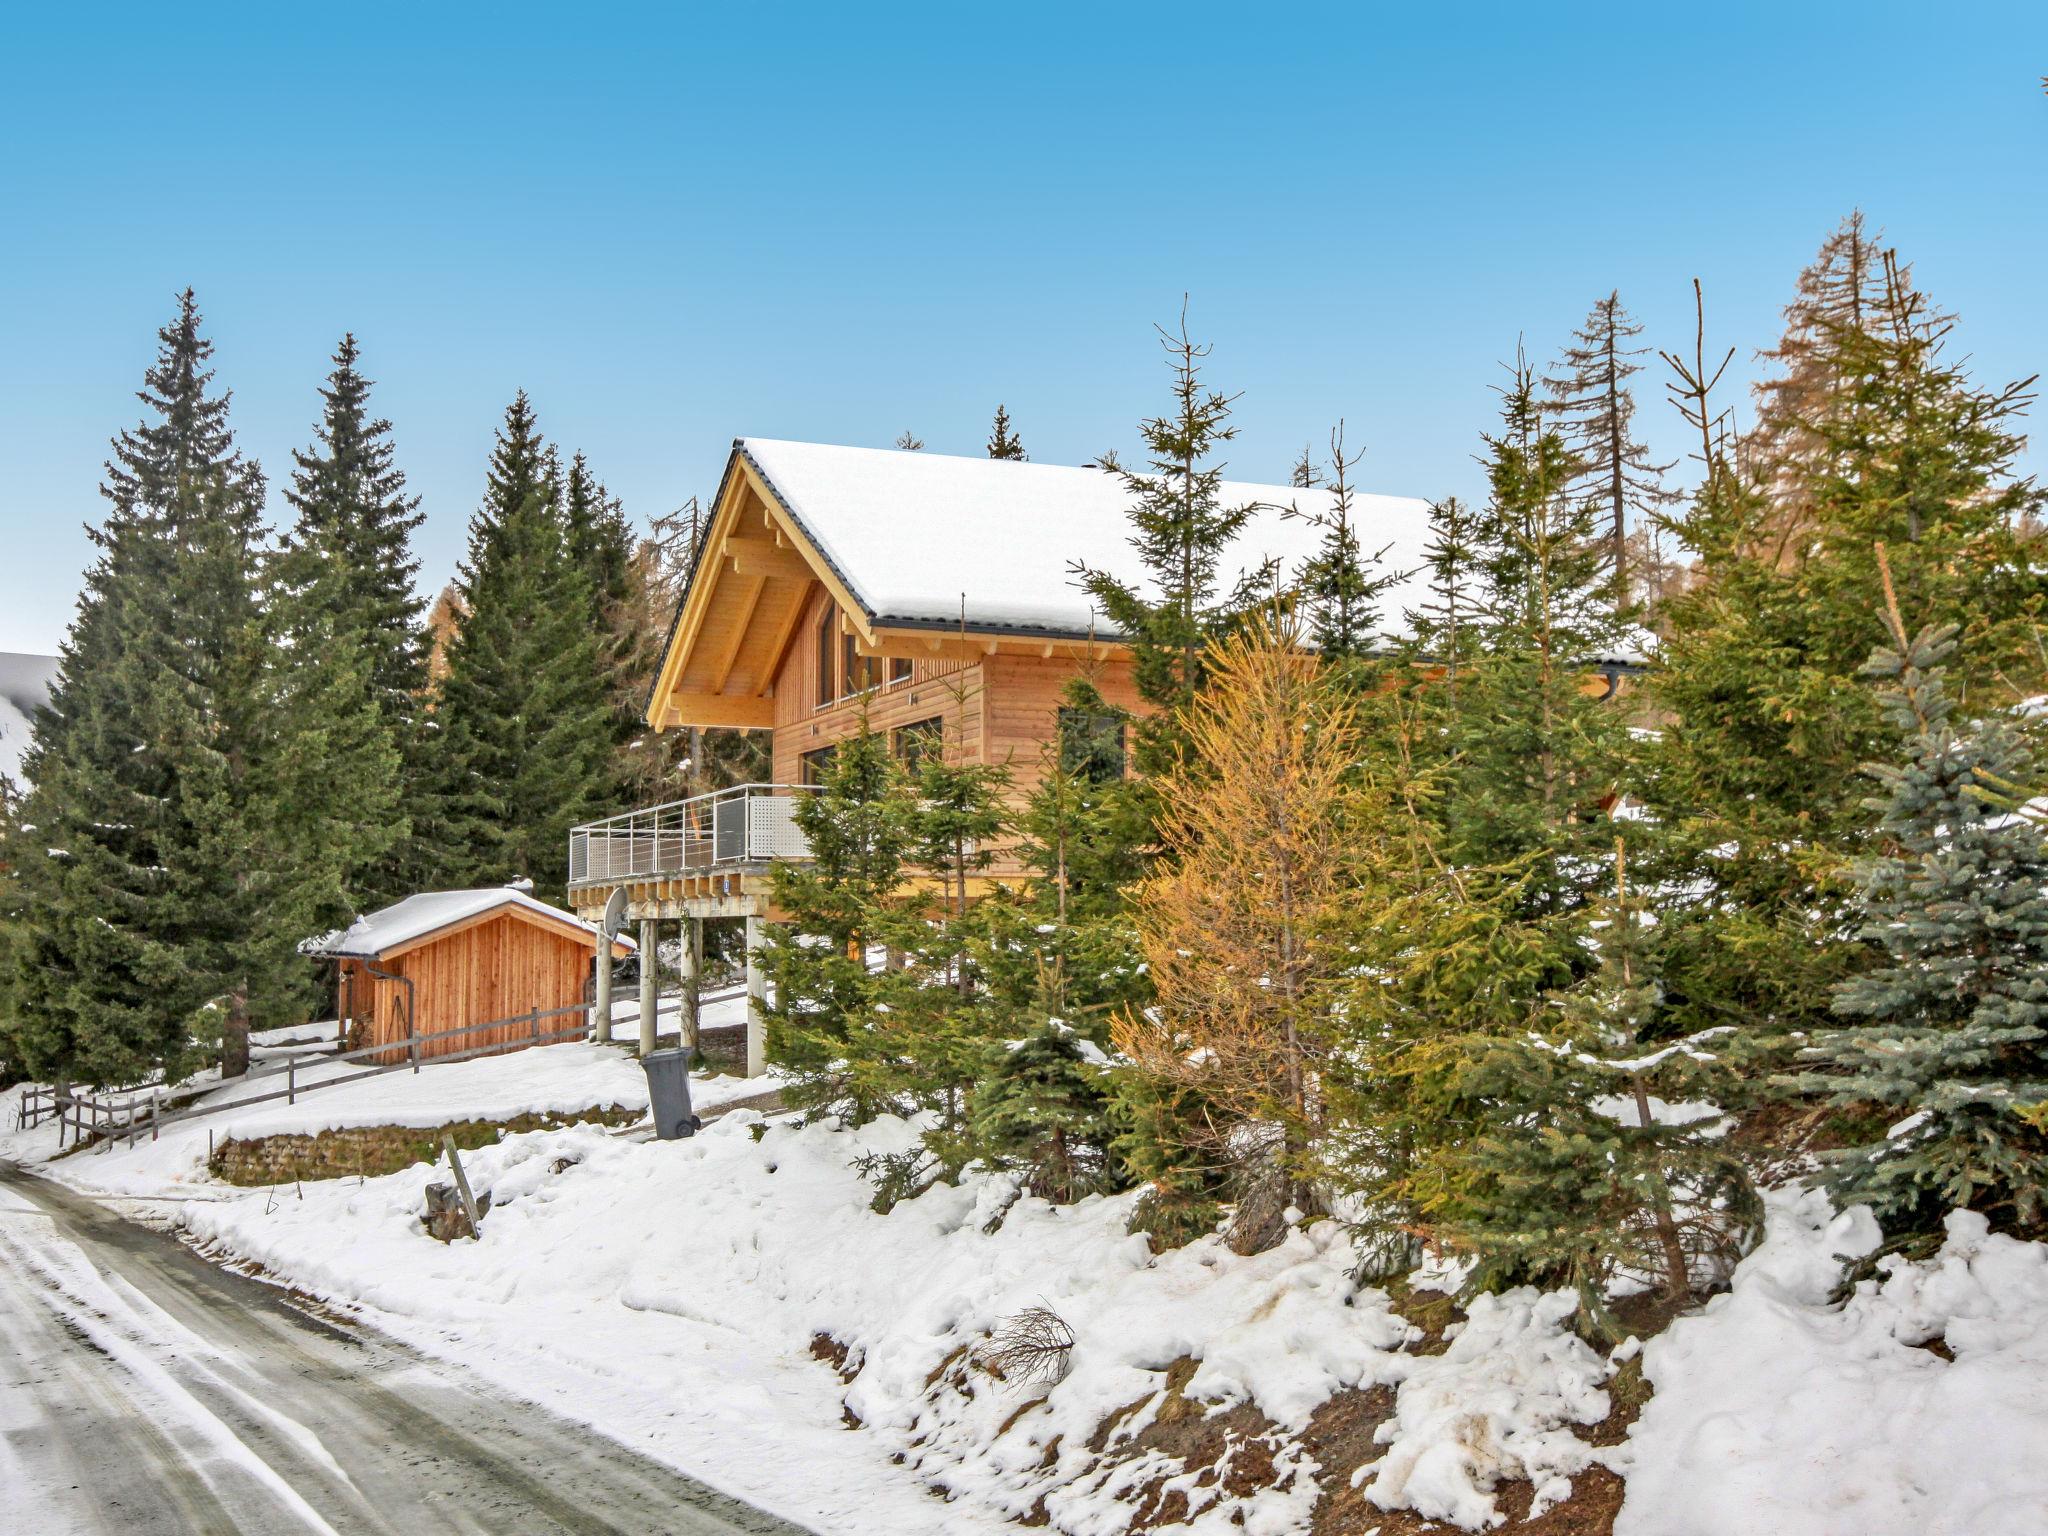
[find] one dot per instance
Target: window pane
(826, 692)
(1092, 745)
(812, 767)
(921, 738)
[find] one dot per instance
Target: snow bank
(1777, 1412)
(670, 1295)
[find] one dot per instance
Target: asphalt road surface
(146, 1392)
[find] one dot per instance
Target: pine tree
(938, 1024)
(1538, 753)
(1567, 1174)
(524, 721)
(1002, 442)
(1340, 583)
(1044, 1107)
(1949, 1039)
(825, 1028)
(909, 441)
(1236, 927)
(1181, 533)
(1594, 407)
(1839, 297)
(1056, 959)
(1767, 717)
(139, 864)
(1442, 629)
(354, 667)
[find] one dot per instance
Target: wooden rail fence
(125, 1115)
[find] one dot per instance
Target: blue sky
(673, 226)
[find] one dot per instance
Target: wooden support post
(602, 1023)
(757, 998)
(693, 966)
(462, 1188)
(648, 999)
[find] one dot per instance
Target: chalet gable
(925, 554)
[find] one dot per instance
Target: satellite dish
(614, 912)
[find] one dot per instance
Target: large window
(899, 669)
(828, 654)
(812, 767)
(1092, 745)
(919, 740)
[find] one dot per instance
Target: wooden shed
(454, 960)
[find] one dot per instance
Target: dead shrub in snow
(1035, 1346)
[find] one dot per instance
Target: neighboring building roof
(914, 535)
(26, 682)
(406, 923)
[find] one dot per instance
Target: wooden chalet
(934, 598)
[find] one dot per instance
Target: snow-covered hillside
(693, 1299)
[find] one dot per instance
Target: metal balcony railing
(747, 824)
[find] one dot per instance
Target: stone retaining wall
(371, 1150)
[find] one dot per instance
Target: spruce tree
(1057, 958)
(354, 664)
(1948, 1033)
(828, 1026)
(1181, 532)
(1767, 718)
(1044, 1107)
(524, 721)
(1442, 629)
(1594, 408)
(936, 1009)
(1538, 753)
(1339, 584)
(1002, 442)
(1568, 1174)
(139, 864)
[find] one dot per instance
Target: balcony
(728, 829)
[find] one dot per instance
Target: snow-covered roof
(912, 534)
(416, 917)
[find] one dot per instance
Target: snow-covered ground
(560, 1079)
(669, 1294)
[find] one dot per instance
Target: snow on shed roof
(408, 921)
(911, 533)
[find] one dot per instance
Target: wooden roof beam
(764, 557)
(740, 631)
(718, 711)
(785, 637)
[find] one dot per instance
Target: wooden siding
(481, 973)
(1001, 709)
(939, 686)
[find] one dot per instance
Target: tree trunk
(1676, 1280)
(234, 1035)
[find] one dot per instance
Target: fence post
(533, 1025)
(156, 1115)
(291, 1079)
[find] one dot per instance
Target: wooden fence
(124, 1116)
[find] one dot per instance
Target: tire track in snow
(148, 1391)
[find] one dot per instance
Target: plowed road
(146, 1392)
